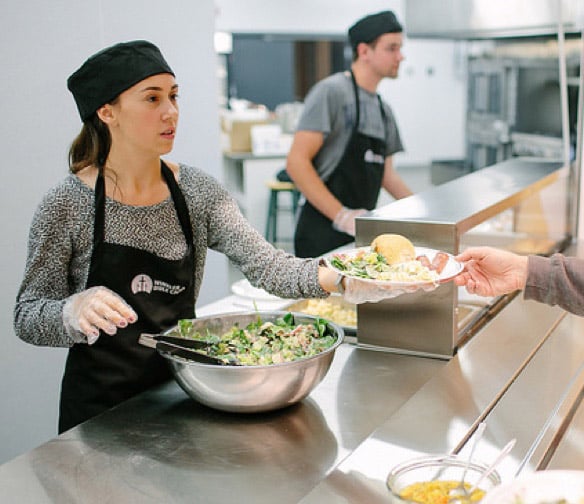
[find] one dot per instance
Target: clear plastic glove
(358, 291)
(345, 220)
(95, 309)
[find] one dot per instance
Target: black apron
(160, 291)
(355, 182)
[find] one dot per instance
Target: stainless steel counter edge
(164, 447)
(523, 374)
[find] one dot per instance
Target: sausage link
(439, 262)
(425, 261)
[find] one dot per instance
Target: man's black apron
(160, 291)
(356, 183)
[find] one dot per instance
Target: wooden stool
(277, 187)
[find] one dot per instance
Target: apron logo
(143, 283)
(371, 157)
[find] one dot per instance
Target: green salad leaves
(263, 343)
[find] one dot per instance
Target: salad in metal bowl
(261, 343)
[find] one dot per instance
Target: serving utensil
(461, 490)
(181, 347)
(502, 454)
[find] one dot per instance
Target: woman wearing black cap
(342, 151)
(118, 247)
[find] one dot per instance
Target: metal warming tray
(533, 195)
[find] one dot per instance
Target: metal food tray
(301, 306)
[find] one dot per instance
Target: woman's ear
(106, 113)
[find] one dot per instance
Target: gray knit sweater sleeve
(557, 280)
(60, 246)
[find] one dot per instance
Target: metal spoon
(504, 452)
(460, 490)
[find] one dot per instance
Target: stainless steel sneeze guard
(533, 191)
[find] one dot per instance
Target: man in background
(342, 151)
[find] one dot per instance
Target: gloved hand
(95, 309)
(359, 291)
(345, 220)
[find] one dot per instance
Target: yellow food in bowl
(342, 315)
(437, 492)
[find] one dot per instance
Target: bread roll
(395, 248)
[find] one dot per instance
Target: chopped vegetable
(263, 343)
(372, 265)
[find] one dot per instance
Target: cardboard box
(236, 128)
(239, 135)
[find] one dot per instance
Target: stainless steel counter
(522, 372)
(164, 447)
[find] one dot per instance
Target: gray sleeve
(44, 288)
(557, 280)
(265, 267)
(320, 109)
(329, 109)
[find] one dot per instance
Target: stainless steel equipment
(487, 19)
(514, 108)
(251, 389)
(520, 204)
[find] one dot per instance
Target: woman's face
(145, 116)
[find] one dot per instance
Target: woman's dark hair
(92, 145)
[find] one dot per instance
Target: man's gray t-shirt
(330, 108)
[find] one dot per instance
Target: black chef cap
(370, 27)
(113, 70)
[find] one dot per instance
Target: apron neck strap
(175, 192)
(357, 107)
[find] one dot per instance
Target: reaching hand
(491, 272)
(345, 220)
(95, 309)
(360, 291)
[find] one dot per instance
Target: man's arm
(392, 181)
(299, 166)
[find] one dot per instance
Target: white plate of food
(429, 266)
(540, 487)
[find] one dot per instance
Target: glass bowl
(437, 468)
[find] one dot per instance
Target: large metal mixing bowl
(250, 389)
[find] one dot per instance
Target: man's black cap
(370, 27)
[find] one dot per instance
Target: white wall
(42, 43)
(429, 101)
(297, 16)
(429, 96)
